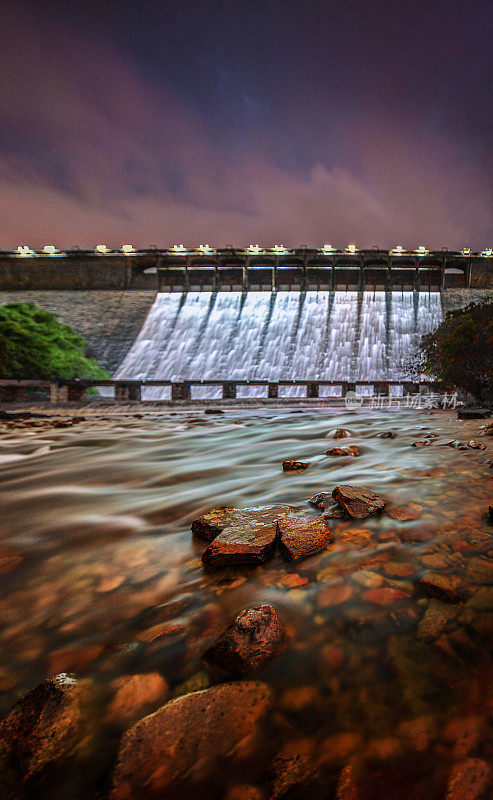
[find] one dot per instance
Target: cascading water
(329, 336)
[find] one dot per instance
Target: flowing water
(103, 578)
(327, 336)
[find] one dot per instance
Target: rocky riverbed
(349, 658)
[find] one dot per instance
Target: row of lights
(255, 249)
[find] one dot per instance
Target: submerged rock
(386, 435)
(444, 587)
(358, 501)
(426, 443)
(43, 728)
(248, 537)
(435, 620)
(135, 695)
(403, 513)
(302, 537)
(255, 636)
(352, 450)
(184, 741)
(476, 445)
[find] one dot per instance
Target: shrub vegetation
(34, 344)
(459, 353)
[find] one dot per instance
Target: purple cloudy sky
(241, 122)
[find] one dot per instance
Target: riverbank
(382, 684)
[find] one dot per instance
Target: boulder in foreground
(302, 537)
(214, 521)
(184, 741)
(255, 636)
(358, 501)
(42, 728)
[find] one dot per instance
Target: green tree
(34, 344)
(459, 353)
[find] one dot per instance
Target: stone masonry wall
(109, 320)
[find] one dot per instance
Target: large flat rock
(213, 522)
(300, 538)
(249, 536)
(183, 742)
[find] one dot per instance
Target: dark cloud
(239, 122)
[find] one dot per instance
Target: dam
(272, 336)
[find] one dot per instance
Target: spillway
(329, 336)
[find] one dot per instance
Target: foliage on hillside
(34, 344)
(459, 353)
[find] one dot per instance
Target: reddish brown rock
(186, 739)
(476, 445)
(334, 595)
(295, 466)
(324, 500)
(43, 728)
(289, 771)
(341, 433)
(242, 544)
(434, 621)
(444, 587)
(135, 695)
(210, 524)
(426, 443)
(469, 780)
(302, 537)
(352, 450)
(255, 636)
(403, 513)
(385, 596)
(386, 435)
(358, 501)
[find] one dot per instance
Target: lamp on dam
(102, 248)
(466, 251)
(397, 251)
(205, 248)
(421, 251)
(254, 248)
(127, 249)
(24, 250)
(351, 248)
(487, 253)
(279, 248)
(327, 248)
(50, 249)
(179, 248)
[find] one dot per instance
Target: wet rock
(43, 728)
(473, 413)
(341, 433)
(244, 791)
(334, 595)
(186, 738)
(479, 570)
(385, 596)
(292, 581)
(295, 466)
(210, 524)
(476, 445)
(214, 521)
(461, 735)
(403, 513)
(469, 780)
(249, 542)
(444, 587)
(289, 771)
(135, 695)
(487, 430)
(300, 538)
(352, 450)
(456, 444)
(324, 500)
(358, 501)
(426, 443)
(255, 636)
(347, 786)
(386, 435)
(435, 620)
